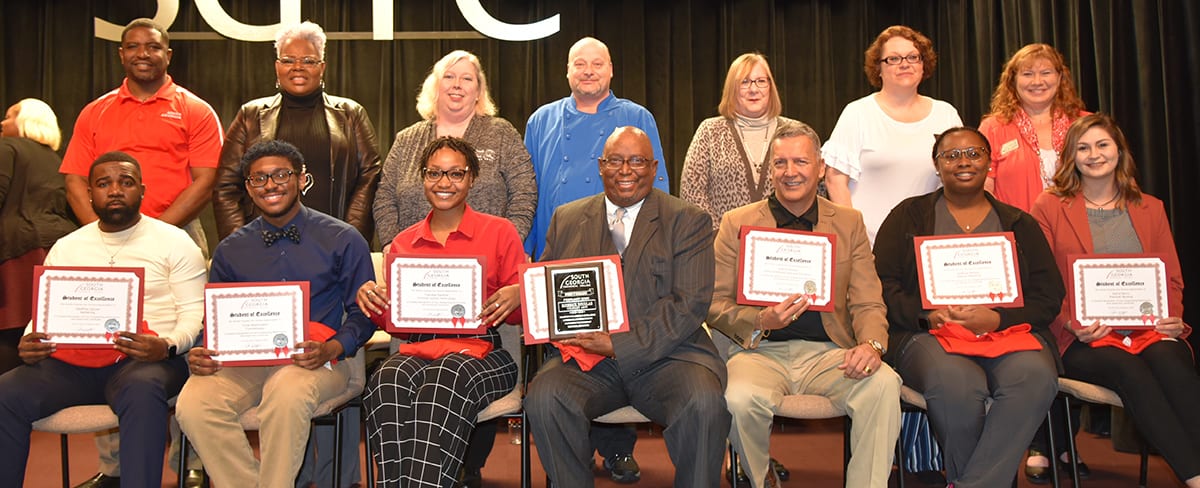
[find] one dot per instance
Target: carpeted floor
(812, 450)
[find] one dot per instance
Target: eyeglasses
(307, 62)
(432, 175)
(895, 60)
(280, 177)
(761, 83)
(973, 153)
(635, 162)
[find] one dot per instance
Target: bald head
(628, 167)
(589, 72)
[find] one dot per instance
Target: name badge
(1009, 146)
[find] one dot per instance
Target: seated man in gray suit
(665, 366)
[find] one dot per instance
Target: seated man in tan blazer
(785, 349)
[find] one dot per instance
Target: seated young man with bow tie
(288, 242)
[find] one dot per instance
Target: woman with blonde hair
(455, 101)
(1032, 107)
(725, 163)
(33, 212)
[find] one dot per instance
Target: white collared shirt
(631, 213)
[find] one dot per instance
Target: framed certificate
(572, 296)
(1123, 291)
(85, 307)
(255, 324)
(435, 294)
(968, 269)
(774, 264)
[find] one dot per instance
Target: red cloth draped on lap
(96, 358)
(956, 339)
(1134, 343)
(437, 348)
(585, 360)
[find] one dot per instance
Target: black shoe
(780, 470)
(470, 478)
(101, 480)
(931, 478)
(740, 480)
(1038, 475)
(195, 478)
(1084, 471)
(623, 468)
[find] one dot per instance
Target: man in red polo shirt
(172, 132)
(175, 136)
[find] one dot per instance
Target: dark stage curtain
(1135, 59)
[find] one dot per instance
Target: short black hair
(272, 148)
(111, 156)
(149, 24)
(937, 142)
(455, 144)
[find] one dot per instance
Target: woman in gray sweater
(454, 101)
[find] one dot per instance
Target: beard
(119, 217)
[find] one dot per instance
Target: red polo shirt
(169, 133)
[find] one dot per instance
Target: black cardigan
(895, 261)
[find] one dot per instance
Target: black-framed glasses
(761, 83)
(280, 177)
(307, 61)
(972, 153)
(456, 175)
(635, 162)
(893, 60)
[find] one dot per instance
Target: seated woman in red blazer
(1096, 207)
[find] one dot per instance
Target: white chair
(81, 419)
(1067, 389)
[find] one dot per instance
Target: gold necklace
(112, 256)
(1100, 205)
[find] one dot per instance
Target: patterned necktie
(618, 230)
(291, 232)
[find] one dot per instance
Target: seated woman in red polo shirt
(414, 403)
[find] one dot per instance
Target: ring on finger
(867, 370)
(370, 292)
(497, 304)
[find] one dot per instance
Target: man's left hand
(142, 347)
(593, 342)
(861, 361)
(316, 354)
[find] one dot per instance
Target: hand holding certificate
(973, 269)
(85, 307)
(1120, 291)
(440, 295)
(776, 263)
(255, 324)
(572, 297)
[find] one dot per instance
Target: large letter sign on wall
(382, 12)
(491, 27)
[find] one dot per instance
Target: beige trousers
(760, 378)
(209, 407)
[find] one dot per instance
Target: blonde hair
(738, 71)
(1067, 179)
(36, 121)
(428, 97)
(1006, 103)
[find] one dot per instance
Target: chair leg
(526, 476)
(337, 448)
(181, 469)
(1053, 448)
(733, 463)
(900, 461)
(1072, 449)
(846, 426)
(66, 461)
(369, 466)
(1143, 465)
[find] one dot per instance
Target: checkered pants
(420, 413)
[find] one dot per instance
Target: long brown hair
(1006, 103)
(1068, 181)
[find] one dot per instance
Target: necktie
(618, 230)
(291, 232)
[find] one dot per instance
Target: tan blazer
(858, 313)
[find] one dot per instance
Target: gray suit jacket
(668, 269)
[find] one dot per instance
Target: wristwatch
(877, 346)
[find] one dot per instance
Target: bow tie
(291, 232)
